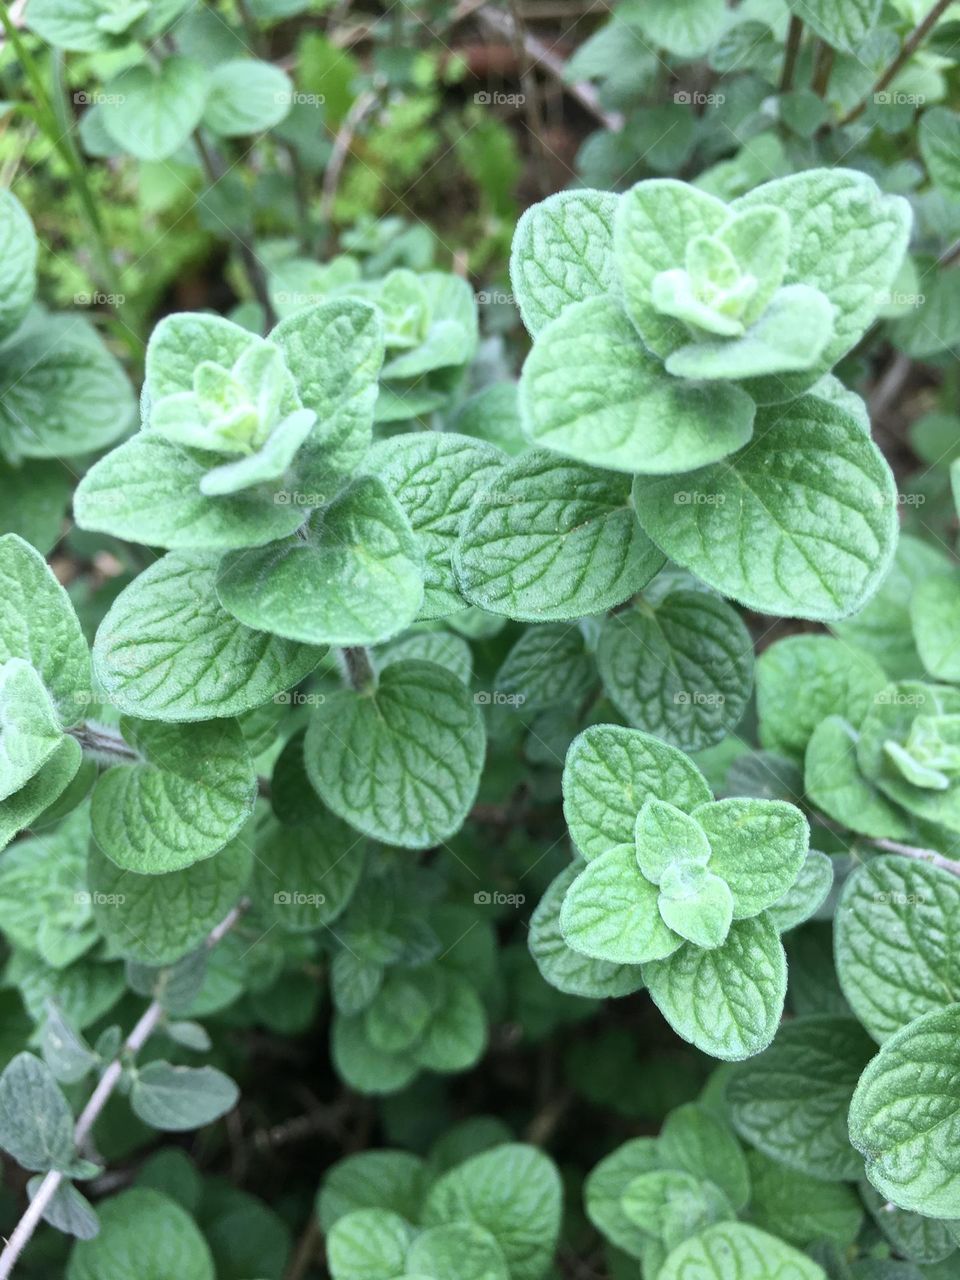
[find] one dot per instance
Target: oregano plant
(479, 641)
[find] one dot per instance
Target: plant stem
(360, 670)
(922, 855)
(907, 49)
(253, 269)
(791, 53)
(822, 66)
(105, 746)
(141, 1033)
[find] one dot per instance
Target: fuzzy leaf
(36, 1123)
(801, 1209)
(400, 762)
(791, 1102)
(666, 838)
(935, 617)
(727, 1001)
(186, 796)
(897, 942)
(29, 729)
(604, 1188)
(609, 773)
(735, 1251)
(548, 666)
(305, 876)
(168, 650)
(514, 1193)
(143, 1235)
(800, 523)
(151, 111)
(842, 25)
(806, 895)
(834, 783)
(680, 668)
(697, 1141)
(562, 253)
(915, 1074)
(353, 576)
(591, 391)
(148, 490)
(435, 476)
(610, 912)
(46, 786)
(18, 263)
(757, 846)
(458, 1251)
(550, 540)
(179, 1098)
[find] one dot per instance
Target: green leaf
(29, 729)
(456, 1035)
(158, 919)
(168, 650)
(179, 1098)
(514, 1193)
(148, 490)
(734, 1251)
(757, 847)
(246, 96)
(727, 1001)
(806, 895)
(671, 1205)
(801, 1209)
(68, 1210)
(458, 1251)
(834, 783)
(842, 25)
(368, 1244)
(46, 786)
(564, 968)
(562, 253)
(791, 1102)
(549, 666)
(605, 1186)
(847, 239)
(680, 668)
(834, 678)
(352, 576)
(435, 476)
(915, 1074)
(39, 625)
(400, 761)
(920, 1239)
(935, 617)
(938, 136)
(609, 773)
(591, 391)
(143, 1236)
(392, 1180)
(151, 111)
(896, 942)
(334, 351)
(686, 28)
(36, 1123)
(696, 904)
(610, 912)
(61, 391)
(550, 540)
(666, 837)
(186, 794)
(18, 262)
(305, 876)
(801, 523)
(697, 1141)
(441, 647)
(34, 497)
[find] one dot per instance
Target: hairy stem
(907, 50)
(922, 855)
(105, 746)
(360, 670)
(141, 1033)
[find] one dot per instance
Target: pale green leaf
(400, 762)
(18, 262)
(246, 96)
(151, 110)
(806, 895)
(699, 1142)
(757, 847)
(791, 1102)
(168, 650)
(834, 783)
(36, 1123)
(842, 23)
(802, 522)
(916, 1074)
(184, 794)
(686, 28)
(591, 391)
(352, 576)
(666, 837)
(609, 773)
(727, 1001)
(939, 138)
(369, 1244)
(458, 1251)
(935, 617)
(29, 728)
(680, 668)
(735, 1251)
(562, 253)
(392, 1180)
(46, 786)
(550, 540)
(604, 1188)
(610, 912)
(178, 1098)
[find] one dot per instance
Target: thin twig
(791, 53)
(584, 93)
(822, 66)
(362, 105)
(359, 668)
(532, 106)
(88, 1117)
(922, 855)
(907, 49)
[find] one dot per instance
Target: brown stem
(360, 670)
(791, 53)
(907, 49)
(822, 66)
